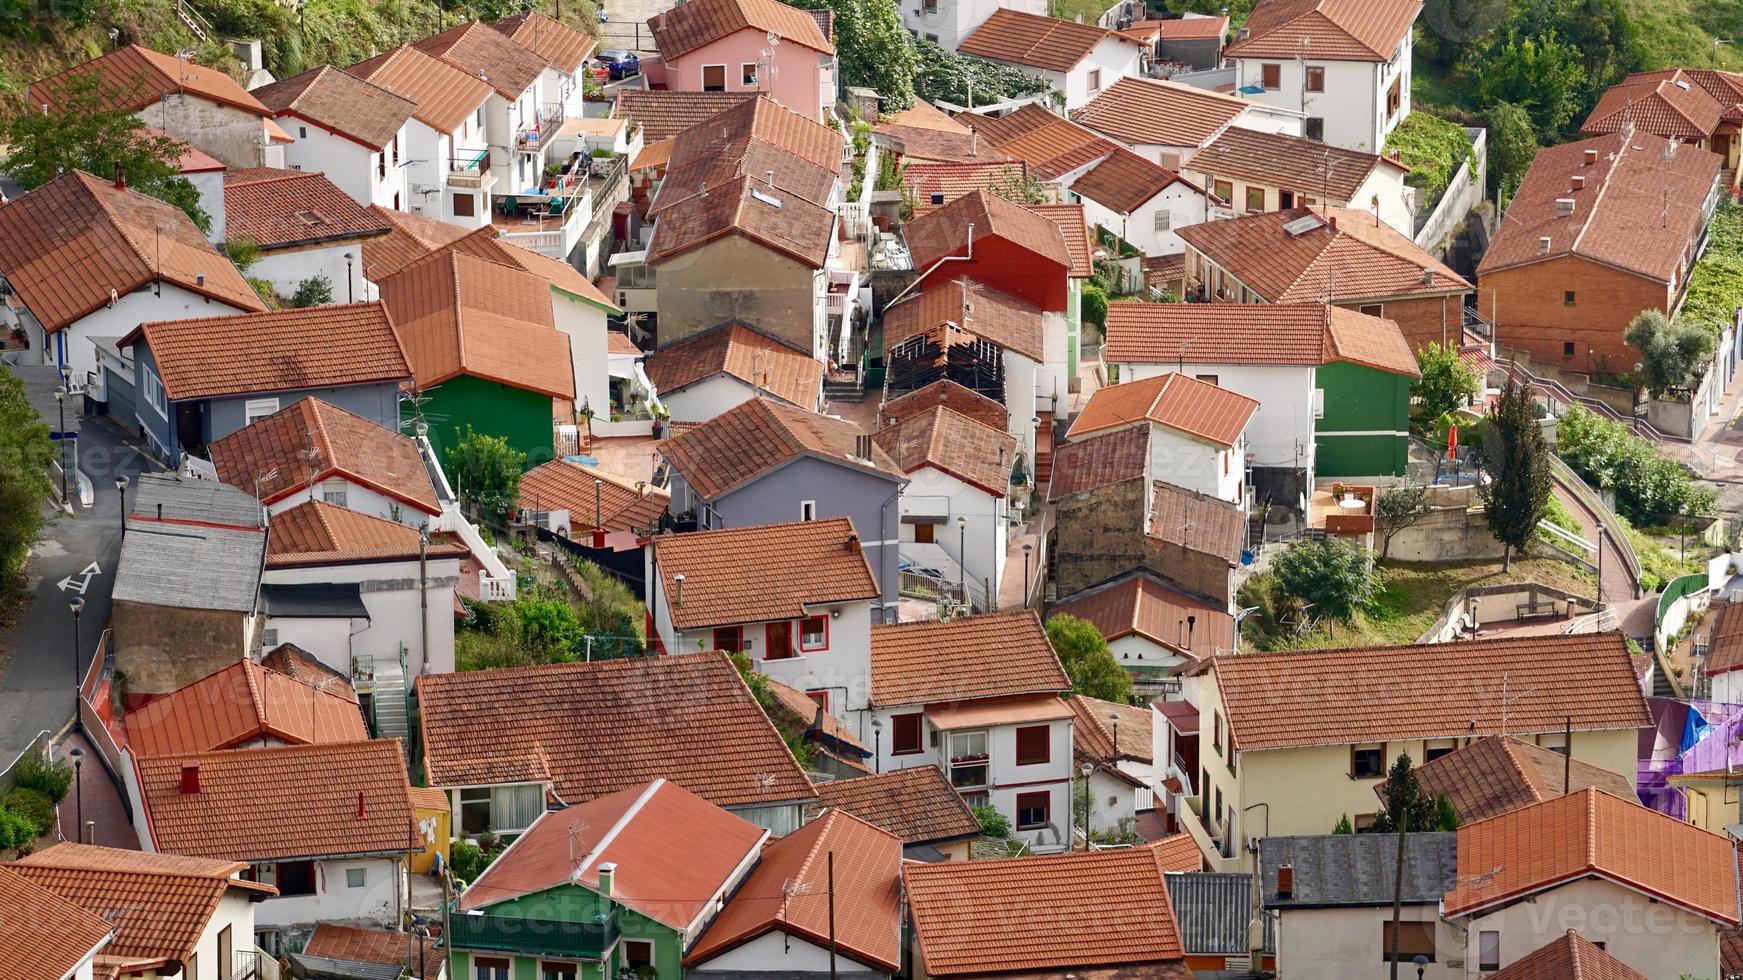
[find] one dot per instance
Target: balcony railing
(470, 168)
(536, 134)
(507, 934)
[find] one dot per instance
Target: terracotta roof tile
(945, 231)
(917, 804)
(1660, 103)
(1347, 251)
(756, 138)
(1571, 956)
(162, 903)
(1308, 334)
(459, 314)
(71, 244)
(662, 114)
(1725, 641)
(410, 237)
(1142, 110)
(1093, 730)
(481, 51)
(446, 96)
(379, 946)
(1052, 145)
(1020, 38)
(1637, 210)
(280, 803)
(560, 45)
(275, 456)
(1292, 162)
(282, 350)
(967, 306)
(1124, 181)
(277, 208)
(733, 349)
(986, 656)
(809, 715)
(134, 77)
(237, 704)
(955, 444)
(1175, 401)
(1183, 28)
(1138, 604)
(1197, 522)
(1370, 694)
(1003, 129)
(754, 437)
(923, 133)
(1499, 773)
(950, 394)
(300, 665)
(790, 891)
(344, 103)
(934, 185)
(1346, 30)
(972, 917)
(564, 485)
(51, 937)
(696, 24)
(785, 223)
(1590, 832)
(763, 572)
(1177, 854)
(1090, 464)
(318, 533)
(1074, 228)
(597, 728)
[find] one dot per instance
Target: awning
(317, 601)
(1004, 711)
(1181, 716)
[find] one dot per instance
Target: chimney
(191, 779)
(160, 510)
(1332, 222)
(1285, 880)
(769, 176)
(607, 871)
(1428, 277)
(853, 544)
(1191, 624)
(678, 590)
(1591, 157)
(1564, 207)
(362, 812)
(973, 141)
(1579, 182)
(199, 278)
(120, 177)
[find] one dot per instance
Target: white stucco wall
(165, 301)
(287, 268)
(707, 398)
(1184, 205)
(351, 166)
(777, 951)
(1113, 57)
(585, 325)
(843, 668)
(1282, 429)
(983, 534)
(952, 21)
(380, 900)
(390, 593)
(1655, 938)
(1180, 460)
(1353, 104)
(359, 498)
(1349, 944)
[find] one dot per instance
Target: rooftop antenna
(1507, 701)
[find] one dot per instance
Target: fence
(1681, 598)
(1565, 475)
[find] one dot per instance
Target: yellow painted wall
(1712, 806)
(435, 826)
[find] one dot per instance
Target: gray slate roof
(1357, 870)
(187, 499)
(40, 382)
(190, 566)
(1212, 911)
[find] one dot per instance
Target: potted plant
(660, 417)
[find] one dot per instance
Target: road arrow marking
(79, 583)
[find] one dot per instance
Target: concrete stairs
(390, 711)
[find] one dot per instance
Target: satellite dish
(774, 39)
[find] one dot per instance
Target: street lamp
(877, 733)
(77, 605)
(78, 756)
(1600, 564)
(1116, 722)
(121, 488)
(1086, 769)
(60, 401)
(962, 553)
(1421, 962)
(350, 281)
(1027, 548)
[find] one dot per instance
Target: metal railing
(469, 167)
(536, 134)
(501, 933)
(1588, 498)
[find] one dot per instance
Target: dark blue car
(622, 64)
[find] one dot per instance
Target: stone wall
(1100, 534)
(161, 649)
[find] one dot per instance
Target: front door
(780, 641)
(190, 432)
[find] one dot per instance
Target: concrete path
(96, 796)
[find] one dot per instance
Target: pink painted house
(749, 46)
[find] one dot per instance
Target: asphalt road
(627, 26)
(37, 678)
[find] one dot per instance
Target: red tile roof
(311, 440)
(1637, 211)
(1138, 604)
(379, 946)
(786, 153)
(134, 77)
(1048, 43)
(761, 573)
(1376, 694)
(1123, 181)
(781, 222)
(1345, 252)
(1093, 730)
(755, 437)
(1662, 103)
(969, 916)
(446, 96)
(318, 533)
(1308, 334)
(1145, 111)
(814, 719)
(741, 352)
(50, 937)
(837, 858)
(596, 728)
(564, 485)
(281, 350)
(1074, 228)
(486, 53)
(301, 801)
(1197, 522)
(966, 306)
(663, 114)
(1184, 28)
(70, 245)
(564, 47)
(1343, 30)
(952, 443)
(933, 185)
(1725, 641)
(238, 704)
(950, 394)
(917, 804)
(674, 853)
(161, 903)
(1292, 162)
(699, 23)
(922, 133)
(1499, 773)
(276, 208)
(986, 656)
(946, 230)
(410, 237)
(1172, 400)
(1572, 956)
(1591, 833)
(1090, 464)
(1178, 854)
(348, 105)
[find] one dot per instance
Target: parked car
(622, 64)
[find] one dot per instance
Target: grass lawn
(1679, 33)
(1414, 595)
(1089, 10)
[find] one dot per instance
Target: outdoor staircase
(198, 26)
(390, 716)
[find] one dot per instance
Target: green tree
(1332, 575)
(1515, 460)
(1343, 826)
(873, 48)
(992, 823)
(25, 457)
(1095, 305)
(1087, 660)
(1398, 508)
(486, 471)
(1600, 31)
(1446, 382)
(87, 132)
(317, 290)
(1540, 73)
(945, 76)
(1671, 354)
(1512, 146)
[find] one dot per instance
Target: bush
(34, 806)
(1649, 485)
(16, 830)
(992, 822)
(1095, 305)
(468, 860)
(313, 291)
(50, 778)
(1332, 575)
(1434, 149)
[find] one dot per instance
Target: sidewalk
(100, 800)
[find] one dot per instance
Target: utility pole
(831, 915)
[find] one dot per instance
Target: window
(925, 533)
(478, 118)
(334, 492)
(1567, 348)
(1315, 78)
(968, 758)
(1271, 76)
(1319, 403)
(1033, 745)
(1208, 379)
(780, 640)
(1034, 810)
(295, 877)
(713, 78)
(747, 75)
(154, 393)
(807, 510)
(1372, 309)
(821, 697)
(1395, 97)
(380, 164)
(1219, 807)
(937, 197)
(1313, 127)
(489, 968)
(1414, 939)
(1488, 950)
(1567, 298)
(1367, 761)
(464, 206)
(1095, 79)
(932, 37)
(929, 6)
(501, 809)
(1555, 743)
(557, 971)
(637, 952)
(1434, 750)
(356, 877)
(1216, 731)
(1285, 200)
(1164, 221)
(191, 968)
(814, 633)
(1255, 199)
(1170, 160)
(905, 734)
(729, 638)
(268, 639)
(1224, 190)
(226, 955)
(1364, 822)
(255, 409)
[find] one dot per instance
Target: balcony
(1205, 834)
(551, 937)
(471, 168)
(534, 136)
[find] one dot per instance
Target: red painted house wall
(1008, 267)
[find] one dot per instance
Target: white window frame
(1164, 220)
(653, 949)
(360, 881)
(255, 409)
(155, 395)
(1095, 79)
(807, 510)
(702, 78)
(754, 74)
(336, 492)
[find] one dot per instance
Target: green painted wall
(1367, 401)
(524, 417)
(574, 903)
(1073, 324)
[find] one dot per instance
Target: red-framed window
(906, 734)
(1034, 746)
(814, 634)
(1034, 810)
(821, 697)
(730, 638)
